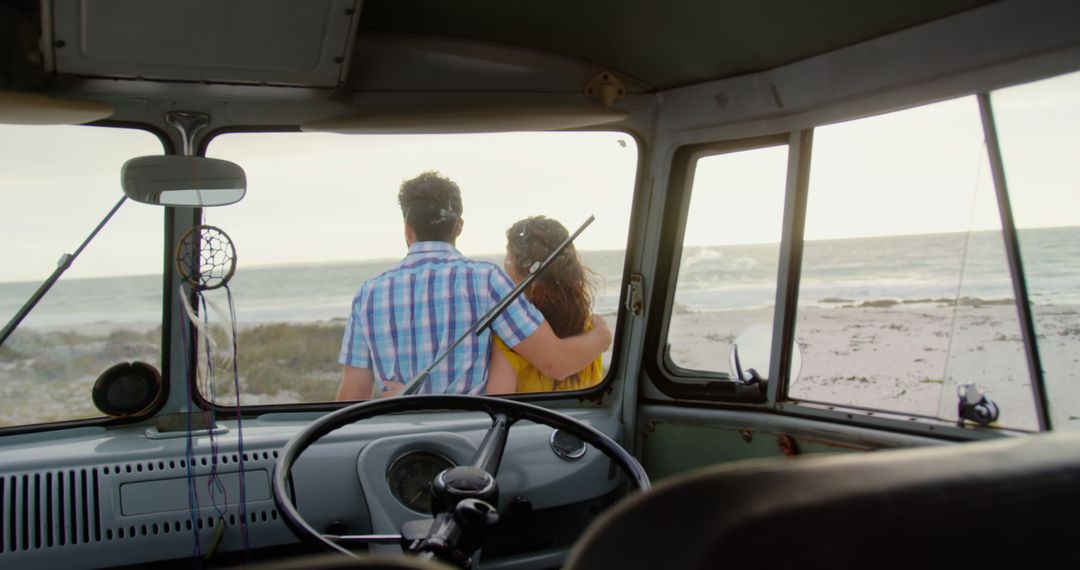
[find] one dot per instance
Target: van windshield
(58, 183)
(322, 216)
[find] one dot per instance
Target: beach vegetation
(880, 303)
(717, 337)
(54, 355)
(8, 354)
(974, 302)
(297, 359)
(681, 309)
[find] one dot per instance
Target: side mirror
(190, 181)
(750, 355)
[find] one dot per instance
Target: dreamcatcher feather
(206, 260)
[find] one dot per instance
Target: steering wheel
(463, 496)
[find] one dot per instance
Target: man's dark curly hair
(431, 204)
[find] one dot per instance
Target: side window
(731, 245)
(905, 292)
(321, 216)
(1037, 125)
(58, 183)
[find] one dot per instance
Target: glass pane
(905, 292)
(1037, 126)
(727, 274)
(58, 183)
(321, 216)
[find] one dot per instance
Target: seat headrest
(1011, 501)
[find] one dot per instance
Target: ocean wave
(701, 256)
(909, 270)
(938, 301)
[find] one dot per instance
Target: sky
(340, 192)
(917, 171)
(323, 197)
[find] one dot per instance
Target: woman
(563, 293)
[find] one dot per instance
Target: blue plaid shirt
(402, 319)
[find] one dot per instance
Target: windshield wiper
(413, 386)
(61, 267)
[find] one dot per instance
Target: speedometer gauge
(410, 477)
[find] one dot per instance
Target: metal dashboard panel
(113, 500)
(529, 470)
(97, 497)
(165, 495)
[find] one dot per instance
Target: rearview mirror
(191, 181)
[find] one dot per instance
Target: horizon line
(495, 255)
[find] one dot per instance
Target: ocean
(712, 278)
(899, 268)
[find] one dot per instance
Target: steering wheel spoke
(489, 455)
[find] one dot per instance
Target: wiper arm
(61, 267)
(413, 386)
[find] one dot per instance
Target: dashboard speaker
(128, 389)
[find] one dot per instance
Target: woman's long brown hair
(564, 291)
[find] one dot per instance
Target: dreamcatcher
(206, 261)
(206, 258)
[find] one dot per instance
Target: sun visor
(18, 108)
(469, 119)
(278, 42)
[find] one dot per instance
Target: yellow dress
(529, 379)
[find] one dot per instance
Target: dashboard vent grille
(55, 517)
(151, 525)
(47, 509)
(180, 464)
(174, 526)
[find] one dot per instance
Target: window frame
(1016, 264)
(718, 390)
(593, 396)
(671, 379)
(905, 421)
(167, 147)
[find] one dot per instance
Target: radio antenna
(482, 324)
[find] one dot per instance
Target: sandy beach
(901, 357)
(906, 357)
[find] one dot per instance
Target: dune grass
(58, 355)
(296, 360)
(47, 375)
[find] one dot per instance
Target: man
(402, 319)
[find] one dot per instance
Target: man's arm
(356, 384)
(564, 357)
